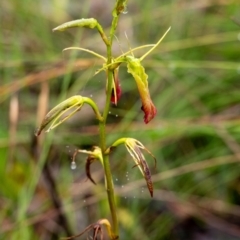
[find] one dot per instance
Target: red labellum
(116, 91)
(149, 109)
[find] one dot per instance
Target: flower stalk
(72, 105)
(106, 164)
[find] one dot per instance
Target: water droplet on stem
(73, 165)
(125, 10)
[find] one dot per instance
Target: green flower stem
(111, 196)
(102, 130)
(113, 28)
(94, 107)
(119, 141)
(103, 35)
(106, 164)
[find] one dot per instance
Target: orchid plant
(72, 105)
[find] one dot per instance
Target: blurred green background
(194, 82)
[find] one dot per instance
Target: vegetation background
(194, 82)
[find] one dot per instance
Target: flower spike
(134, 148)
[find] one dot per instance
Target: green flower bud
(84, 22)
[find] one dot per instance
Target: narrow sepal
(89, 161)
